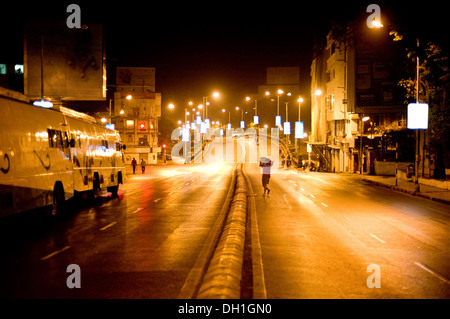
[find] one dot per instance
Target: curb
(194, 279)
(399, 189)
(223, 277)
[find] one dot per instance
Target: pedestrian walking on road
(134, 164)
(143, 166)
(266, 165)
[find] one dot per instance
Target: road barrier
(222, 279)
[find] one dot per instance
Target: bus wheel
(96, 187)
(58, 200)
(113, 190)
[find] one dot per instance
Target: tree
(434, 89)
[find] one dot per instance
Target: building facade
(355, 101)
(137, 109)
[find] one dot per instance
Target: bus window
(66, 143)
(104, 145)
(55, 139)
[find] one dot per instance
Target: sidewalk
(426, 191)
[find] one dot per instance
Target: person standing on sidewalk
(266, 164)
(143, 166)
(134, 164)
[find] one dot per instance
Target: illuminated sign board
(299, 129)
(417, 116)
(185, 134)
(277, 120)
(287, 128)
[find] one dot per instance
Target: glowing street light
(377, 24)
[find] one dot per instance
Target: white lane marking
(287, 203)
(431, 271)
(137, 210)
(313, 196)
(187, 183)
(55, 253)
(170, 194)
(324, 204)
(109, 225)
(157, 200)
(377, 238)
(302, 189)
(180, 187)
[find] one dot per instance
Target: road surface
(142, 244)
(319, 232)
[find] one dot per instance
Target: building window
(2, 68)
(143, 141)
(130, 138)
(401, 121)
(143, 125)
(130, 124)
(329, 100)
(18, 69)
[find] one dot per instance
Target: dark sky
(198, 47)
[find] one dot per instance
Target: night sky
(198, 47)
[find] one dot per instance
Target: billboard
(136, 77)
(70, 63)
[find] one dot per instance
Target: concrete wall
(388, 168)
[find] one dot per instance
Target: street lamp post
(364, 119)
(300, 100)
(278, 105)
(255, 117)
(288, 136)
(206, 103)
(417, 159)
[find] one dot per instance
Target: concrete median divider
(222, 279)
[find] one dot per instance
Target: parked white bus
(47, 156)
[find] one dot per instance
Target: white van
(49, 155)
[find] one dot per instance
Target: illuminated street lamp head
(129, 97)
(122, 112)
(280, 91)
(377, 24)
(216, 95)
(247, 98)
(366, 118)
(267, 93)
(318, 92)
(223, 110)
(103, 120)
(43, 103)
(200, 106)
(191, 103)
(300, 100)
(237, 108)
(171, 106)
